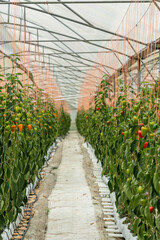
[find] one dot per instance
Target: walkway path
(71, 212)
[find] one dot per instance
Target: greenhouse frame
(80, 119)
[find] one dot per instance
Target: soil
(94, 189)
(39, 221)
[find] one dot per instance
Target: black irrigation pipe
(31, 205)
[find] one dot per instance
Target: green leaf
(20, 198)
(158, 222)
(134, 145)
(15, 173)
(141, 230)
(135, 129)
(8, 173)
(110, 186)
(127, 191)
(2, 222)
(20, 183)
(2, 205)
(135, 171)
(15, 213)
(13, 188)
(5, 187)
(135, 199)
(156, 182)
(158, 205)
(135, 224)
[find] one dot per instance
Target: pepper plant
(126, 138)
(29, 124)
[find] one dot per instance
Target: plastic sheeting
(69, 47)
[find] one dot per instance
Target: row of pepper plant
(29, 124)
(126, 139)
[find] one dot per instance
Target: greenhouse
(80, 120)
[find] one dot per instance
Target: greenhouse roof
(80, 41)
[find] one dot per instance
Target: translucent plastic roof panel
(77, 41)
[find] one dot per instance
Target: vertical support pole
(20, 29)
(29, 42)
(8, 11)
(4, 65)
(81, 101)
(49, 61)
(43, 58)
(138, 75)
(159, 64)
(43, 54)
(53, 72)
(113, 90)
(25, 24)
(37, 37)
(25, 59)
(125, 80)
(159, 76)
(114, 87)
(38, 40)
(35, 52)
(158, 48)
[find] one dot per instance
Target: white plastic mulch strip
(8, 232)
(123, 228)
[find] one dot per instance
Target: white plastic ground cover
(8, 232)
(123, 228)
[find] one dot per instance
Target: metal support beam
(139, 58)
(52, 41)
(66, 25)
(144, 53)
(66, 40)
(88, 60)
(156, 4)
(77, 14)
(31, 27)
(90, 42)
(42, 28)
(151, 69)
(74, 2)
(84, 24)
(94, 62)
(69, 68)
(51, 53)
